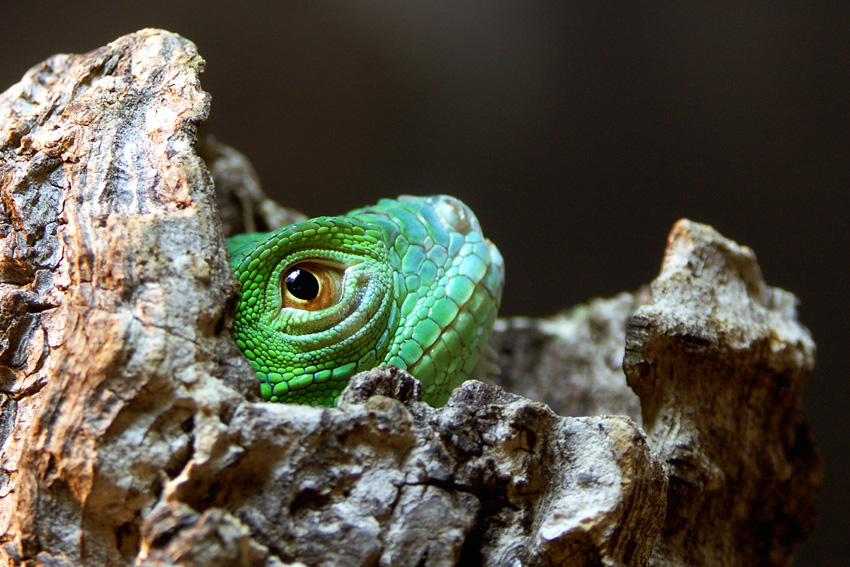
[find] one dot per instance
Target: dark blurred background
(578, 133)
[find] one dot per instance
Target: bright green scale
(410, 282)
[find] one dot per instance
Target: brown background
(578, 134)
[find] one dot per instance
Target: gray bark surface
(131, 431)
(718, 360)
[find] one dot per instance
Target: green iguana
(410, 282)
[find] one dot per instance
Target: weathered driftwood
(131, 434)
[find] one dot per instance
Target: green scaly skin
(420, 290)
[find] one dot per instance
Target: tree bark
(131, 431)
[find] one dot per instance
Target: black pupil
(302, 284)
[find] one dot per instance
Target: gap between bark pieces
(718, 359)
(242, 204)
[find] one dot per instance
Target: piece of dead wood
(130, 427)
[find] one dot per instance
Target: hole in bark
(50, 470)
(219, 325)
(308, 499)
(179, 459)
(423, 561)
(40, 307)
(127, 538)
(188, 424)
(493, 498)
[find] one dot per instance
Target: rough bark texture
(572, 361)
(718, 360)
(131, 434)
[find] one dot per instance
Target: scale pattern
(421, 290)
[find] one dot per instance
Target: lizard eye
(311, 286)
